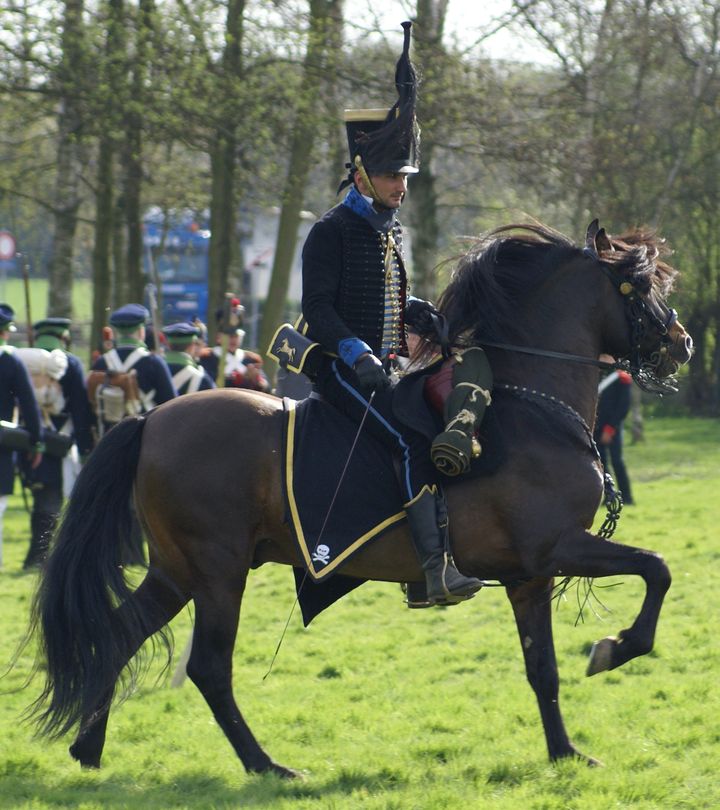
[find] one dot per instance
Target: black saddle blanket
(330, 523)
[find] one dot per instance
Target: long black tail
(82, 634)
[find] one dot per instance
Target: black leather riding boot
(416, 596)
(445, 584)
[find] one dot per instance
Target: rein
(573, 358)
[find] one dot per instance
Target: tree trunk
(325, 25)
(70, 160)
(101, 275)
(104, 195)
(133, 153)
(428, 32)
(223, 248)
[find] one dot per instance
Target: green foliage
(622, 124)
(381, 707)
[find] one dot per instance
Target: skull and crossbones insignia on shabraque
(321, 554)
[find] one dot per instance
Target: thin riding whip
(322, 529)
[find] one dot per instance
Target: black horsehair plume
(400, 126)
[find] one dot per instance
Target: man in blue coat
(154, 383)
(66, 413)
(130, 353)
(188, 375)
(15, 390)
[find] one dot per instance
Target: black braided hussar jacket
(344, 280)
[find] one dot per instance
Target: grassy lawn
(382, 707)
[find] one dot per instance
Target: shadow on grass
(191, 788)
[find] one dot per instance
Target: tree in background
(70, 73)
(324, 40)
(111, 103)
(622, 125)
(429, 52)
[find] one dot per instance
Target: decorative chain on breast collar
(551, 403)
(611, 498)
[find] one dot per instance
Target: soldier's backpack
(46, 369)
(115, 393)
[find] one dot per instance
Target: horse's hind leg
(158, 600)
(583, 554)
(531, 604)
(217, 611)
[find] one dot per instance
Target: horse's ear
(596, 238)
(602, 241)
(591, 233)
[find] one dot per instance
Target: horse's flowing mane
(505, 265)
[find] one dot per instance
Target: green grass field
(382, 707)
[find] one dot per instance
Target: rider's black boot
(427, 517)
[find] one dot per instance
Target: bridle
(640, 318)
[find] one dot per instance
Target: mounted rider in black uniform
(355, 303)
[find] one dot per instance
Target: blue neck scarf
(380, 220)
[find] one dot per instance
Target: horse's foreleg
(531, 603)
(585, 555)
(158, 601)
(217, 611)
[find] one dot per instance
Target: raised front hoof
(601, 655)
(86, 762)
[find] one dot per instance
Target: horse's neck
(570, 381)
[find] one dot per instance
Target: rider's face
(390, 188)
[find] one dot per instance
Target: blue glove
(371, 375)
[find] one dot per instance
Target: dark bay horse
(204, 471)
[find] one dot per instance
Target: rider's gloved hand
(370, 373)
(418, 315)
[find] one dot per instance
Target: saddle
(330, 524)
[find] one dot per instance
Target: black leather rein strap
(574, 358)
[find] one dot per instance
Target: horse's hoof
(285, 773)
(86, 763)
(601, 656)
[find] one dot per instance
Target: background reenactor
(15, 391)
(615, 392)
(129, 379)
(65, 411)
(242, 368)
(188, 375)
(130, 359)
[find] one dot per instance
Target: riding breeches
(338, 385)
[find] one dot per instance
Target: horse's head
(653, 343)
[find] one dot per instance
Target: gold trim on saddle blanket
(306, 552)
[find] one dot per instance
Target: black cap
(129, 316)
(52, 326)
(381, 140)
(7, 316)
(181, 333)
